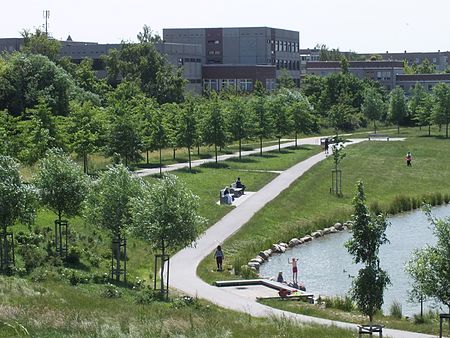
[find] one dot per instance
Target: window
(270, 84)
(210, 52)
(434, 60)
(217, 52)
(245, 85)
(430, 87)
(228, 83)
(277, 46)
(210, 84)
(180, 62)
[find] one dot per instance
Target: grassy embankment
(307, 205)
(45, 304)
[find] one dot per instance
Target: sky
(362, 26)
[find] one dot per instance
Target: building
(238, 57)
(384, 72)
(407, 81)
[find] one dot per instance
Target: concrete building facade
(260, 53)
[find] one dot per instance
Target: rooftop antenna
(46, 15)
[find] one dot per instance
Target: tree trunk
(118, 259)
(147, 156)
(160, 162)
(163, 251)
(429, 130)
(398, 129)
(260, 145)
(240, 148)
(59, 234)
(446, 130)
(198, 149)
(85, 163)
(189, 156)
(279, 144)
(174, 149)
(375, 126)
(296, 140)
(215, 151)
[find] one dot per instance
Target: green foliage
(285, 80)
(441, 107)
(40, 43)
(430, 267)
(108, 202)
(17, 199)
(397, 112)
(344, 303)
(61, 183)
(187, 128)
(263, 122)
(373, 105)
(368, 234)
(30, 249)
(395, 310)
(214, 125)
(111, 291)
(282, 120)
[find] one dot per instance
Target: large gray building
(238, 57)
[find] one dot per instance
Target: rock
(317, 234)
(305, 239)
(294, 242)
(338, 226)
(258, 260)
(284, 245)
(254, 265)
(326, 231)
(263, 255)
(276, 248)
(282, 249)
(333, 230)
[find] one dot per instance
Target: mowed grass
(58, 310)
(431, 325)
(308, 205)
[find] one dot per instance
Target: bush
(185, 301)
(341, 303)
(395, 310)
(29, 249)
(111, 291)
(148, 296)
(74, 255)
(248, 273)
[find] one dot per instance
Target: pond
(326, 268)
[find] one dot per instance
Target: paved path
(196, 163)
(184, 264)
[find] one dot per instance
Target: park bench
(370, 329)
(235, 191)
(375, 136)
(223, 198)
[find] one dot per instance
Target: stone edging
(281, 247)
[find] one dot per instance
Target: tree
(430, 267)
(40, 43)
(372, 106)
(368, 234)
(338, 156)
(9, 132)
(441, 107)
(85, 130)
(62, 187)
(214, 127)
(187, 128)
(263, 121)
(397, 107)
(141, 62)
(17, 203)
(419, 106)
(344, 65)
(108, 206)
(426, 67)
(166, 216)
(282, 121)
(239, 120)
(159, 135)
(303, 117)
(285, 80)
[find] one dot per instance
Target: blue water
(326, 268)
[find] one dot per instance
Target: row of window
(285, 46)
(214, 52)
(287, 64)
(245, 85)
(182, 61)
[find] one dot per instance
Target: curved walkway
(183, 265)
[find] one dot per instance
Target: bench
(237, 192)
(370, 329)
(223, 198)
(375, 136)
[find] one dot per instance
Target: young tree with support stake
(368, 234)
(17, 203)
(159, 135)
(62, 187)
(214, 125)
(108, 206)
(430, 267)
(240, 120)
(187, 129)
(166, 216)
(373, 106)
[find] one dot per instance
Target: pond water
(326, 268)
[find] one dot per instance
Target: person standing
(408, 159)
(326, 144)
(293, 262)
(218, 255)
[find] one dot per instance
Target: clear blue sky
(359, 25)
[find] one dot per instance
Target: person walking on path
(326, 144)
(293, 262)
(408, 159)
(218, 255)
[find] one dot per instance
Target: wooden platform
(299, 294)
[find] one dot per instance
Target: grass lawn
(50, 309)
(431, 325)
(308, 205)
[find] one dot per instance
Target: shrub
(111, 291)
(185, 301)
(247, 272)
(148, 296)
(74, 255)
(341, 303)
(395, 310)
